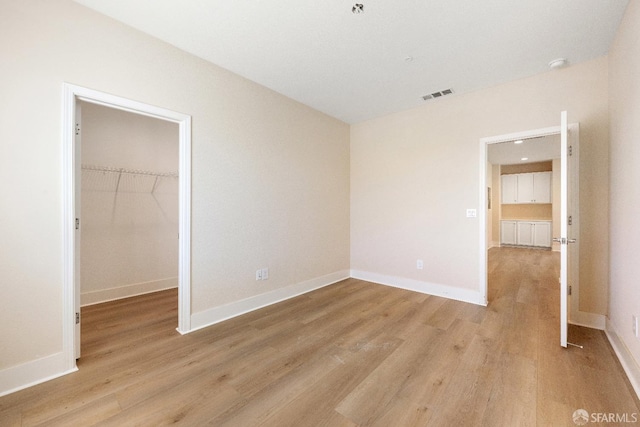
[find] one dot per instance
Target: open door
(565, 222)
(77, 147)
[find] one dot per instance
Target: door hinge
(569, 289)
(77, 223)
(77, 128)
(570, 150)
(77, 318)
(570, 220)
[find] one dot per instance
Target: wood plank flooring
(351, 354)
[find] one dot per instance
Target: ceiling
(534, 150)
(360, 66)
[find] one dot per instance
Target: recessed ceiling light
(518, 141)
(524, 158)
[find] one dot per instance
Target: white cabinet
(526, 188)
(508, 232)
(541, 187)
(526, 233)
(509, 189)
(542, 234)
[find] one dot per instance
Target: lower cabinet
(508, 232)
(526, 233)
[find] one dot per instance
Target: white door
(77, 150)
(564, 238)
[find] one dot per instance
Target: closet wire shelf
(104, 178)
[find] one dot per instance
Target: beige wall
(270, 177)
(542, 211)
(489, 212)
(414, 173)
(624, 63)
(129, 222)
(526, 168)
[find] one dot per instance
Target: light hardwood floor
(351, 354)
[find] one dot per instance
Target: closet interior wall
(129, 203)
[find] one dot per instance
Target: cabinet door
(525, 188)
(509, 189)
(525, 233)
(542, 234)
(542, 187)
(508, 232)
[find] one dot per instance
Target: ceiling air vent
(438, 94)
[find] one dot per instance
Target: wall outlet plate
(258, 274)
(635, 326)
(472, 213)
(419, 264)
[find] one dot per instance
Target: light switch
(472, 213)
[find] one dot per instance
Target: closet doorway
(128, 204)
(127, 173)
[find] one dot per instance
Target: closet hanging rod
(129, 171)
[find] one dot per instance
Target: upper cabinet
(526, 188)
(509, 189)
(541, 187)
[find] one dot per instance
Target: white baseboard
(126, 291)
(31, 373)
(224, 312)
(589, 320)
(629, 364)
(465, 295)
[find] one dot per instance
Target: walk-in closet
(129, 204)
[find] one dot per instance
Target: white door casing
(71, 204)
(573, 313)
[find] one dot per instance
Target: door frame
(70, 181)
(575, 315)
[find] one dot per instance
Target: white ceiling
(535, 150)
(353, 67)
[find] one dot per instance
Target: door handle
(563, 241)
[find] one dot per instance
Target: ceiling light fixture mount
(357, 8)
(557, 63)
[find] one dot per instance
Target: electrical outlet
(419, 264)
(472, 213)
(258, 274)
(265, 273)
(635, 326)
